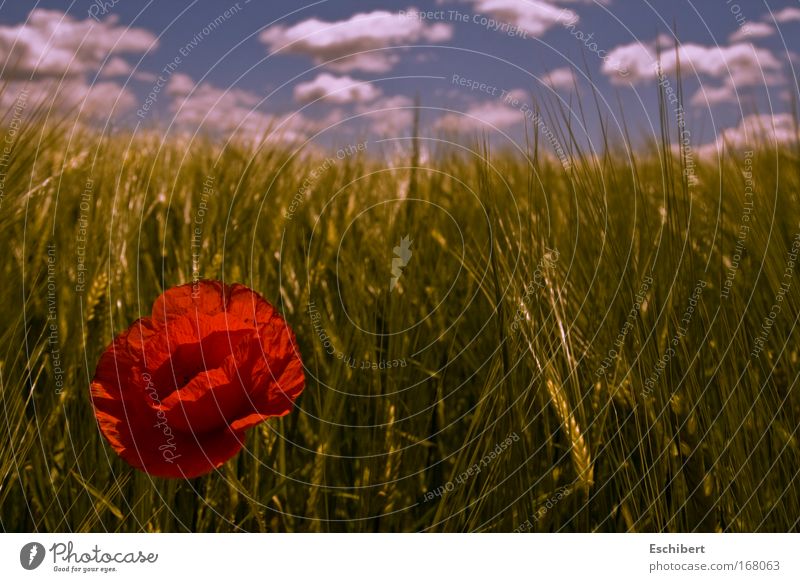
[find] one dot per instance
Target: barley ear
(579, 450)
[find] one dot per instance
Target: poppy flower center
(184, 376)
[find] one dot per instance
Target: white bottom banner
(389, 557)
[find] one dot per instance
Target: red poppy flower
(175, 392)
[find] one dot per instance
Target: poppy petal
(203, 297)
(206, 403)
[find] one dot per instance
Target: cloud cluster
(488, 115)
(753, 131)
(231, 111)
(789, 14)
(214, 109)
(115, 67)
(532, 16)
(96, 101)
(327, 87)
(361, 42)
(52, 56)
(366, 41)
(752, 30)
(561, 78)
(744, 62)
(53, 44)
(389, 115)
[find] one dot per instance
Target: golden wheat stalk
(317, 482)
(96, 294)
(391, 470)
(579, 450)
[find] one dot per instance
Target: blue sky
(309, 68)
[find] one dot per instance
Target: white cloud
(51, 56)
(743, 77)
(115, 67)
(344, 41)
(755, 130)
(789, 14)
(370, 62)
(439, 32)
(334, 89)
(208, 108)
(487, 115)
(52, 44)
(98, 101)
(389, 115)
(714, 95)
(180, 85)
(740, 78)
(532, 16)
(214, 108)
(561, 78)
(145, 76)
(742, 61)
(520, 95)
(752, 30)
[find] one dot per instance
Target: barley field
(493, 340)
